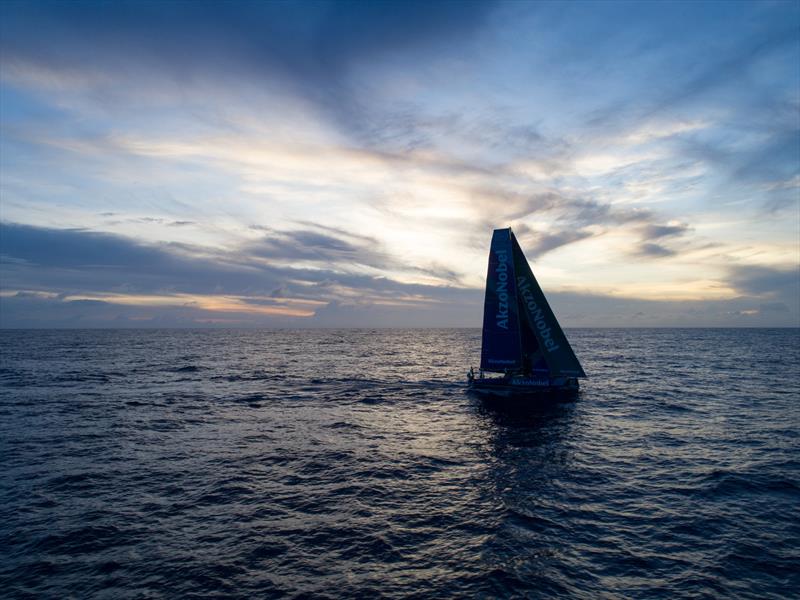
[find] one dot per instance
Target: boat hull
(523, 386)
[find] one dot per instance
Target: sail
(539, 324)
(501, 348)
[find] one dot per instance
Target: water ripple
(352, 464)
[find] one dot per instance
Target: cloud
(424, 125)
(51, 266)
(537, 243)
(499, 203)
(651, 250)
(334, 248)
(652, 231)
(573, 219)
(775, 307)
(72, 248)
(766, 281)
(300, 48)
(742, 94)
(74, 278)
(577, 309)
(766, 170)
(730, 71)
(651, 246)
(310, 245)
(76, 261)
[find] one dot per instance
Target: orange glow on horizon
(222, 304)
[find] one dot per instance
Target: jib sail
(501, 349)
(544, 342)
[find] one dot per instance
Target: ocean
(354, 464)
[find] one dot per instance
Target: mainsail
(520, 330)
(501, 349)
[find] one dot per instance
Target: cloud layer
(82, 278)
(319, 162)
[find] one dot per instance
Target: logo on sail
(501, 287)
(536, 312)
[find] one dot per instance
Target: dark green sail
(544, 344)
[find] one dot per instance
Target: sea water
(353, 463)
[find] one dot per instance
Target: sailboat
(521, 336)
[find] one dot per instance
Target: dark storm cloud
(308, 47)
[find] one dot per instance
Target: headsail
(501, 348)
(537, 318)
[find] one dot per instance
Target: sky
(340, 164)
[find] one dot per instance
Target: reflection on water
(353, 464)
(531, 461)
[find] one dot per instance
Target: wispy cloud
(303, 49)
(652, 231)
(652, 250)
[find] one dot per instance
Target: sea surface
(353, 464)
